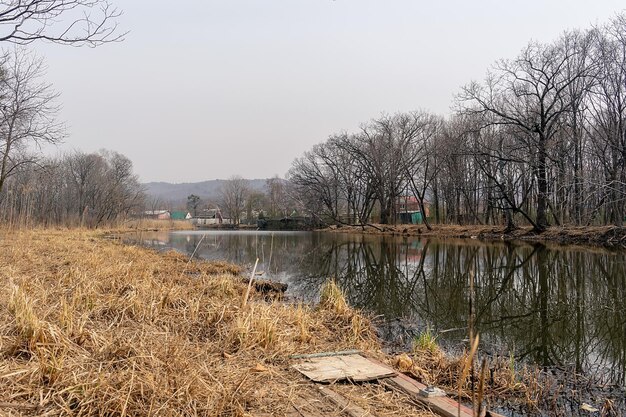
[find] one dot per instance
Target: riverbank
(90, 326)
(150, 225)
(606, 236)
(155, 225)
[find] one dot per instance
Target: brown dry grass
(150, 224)
(522, 387)
(504, 385)
(90, 327)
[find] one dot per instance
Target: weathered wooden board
(323, 354)
(358, 368)
(336, 368)
(444, 406)
(309, 403)
(347, 407)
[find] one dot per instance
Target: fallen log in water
(265, 286)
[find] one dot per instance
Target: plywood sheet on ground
(336, 368)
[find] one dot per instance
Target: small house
(409, 211)
(180, 215)
(208, 217)
(158, 214)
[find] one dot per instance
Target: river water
(548, 305)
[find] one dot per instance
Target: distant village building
(180, 215)
(208, 217)
(158, 214)
(409, 211)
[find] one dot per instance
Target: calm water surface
(546, 305)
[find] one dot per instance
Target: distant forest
(541, 141)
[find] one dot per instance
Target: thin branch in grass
(247, 294)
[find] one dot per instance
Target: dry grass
(90, 327)
(332, 298)
(433, 367)
(150, 224)
(502, 382)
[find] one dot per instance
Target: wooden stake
(247, 294)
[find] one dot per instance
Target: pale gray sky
(204, 89)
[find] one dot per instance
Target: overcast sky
(209, 89)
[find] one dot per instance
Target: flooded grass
(426, 340)
(514, 388)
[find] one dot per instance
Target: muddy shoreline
(597, 236)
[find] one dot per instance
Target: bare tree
(379, 149)
(103, 187)
(233, 196)
(74, 22)
(316, 183)
(503, 162)
(355, 183)
(152, 204)
(582, 62)
(543, 139)
(75, 189)
(529, 93)
(27, 111)
(608, 112)
(277, 198)
(255, 202)
(118, 192)
(83, 171)
(420, 163)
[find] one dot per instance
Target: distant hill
(166, 191)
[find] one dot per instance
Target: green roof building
(180, 215)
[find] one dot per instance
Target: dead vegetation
(152, 225)
(528, 389)
(91, 327)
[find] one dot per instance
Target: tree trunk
(384, 213)
(542, 187)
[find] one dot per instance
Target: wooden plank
(444, 406)
(336, 368)
(352, 410)
(309, 404)
(323, 354)
(360, 368)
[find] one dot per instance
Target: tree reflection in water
(550, 305)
